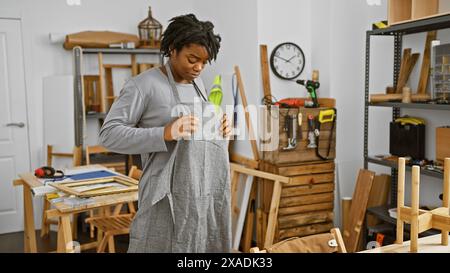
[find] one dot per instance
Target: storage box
(442, 143)
(407, 140)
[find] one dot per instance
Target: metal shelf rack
(78, 52)
(397, 32)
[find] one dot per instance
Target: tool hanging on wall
(326, 116)
(290, 127)
(312, 86)
(312, 132)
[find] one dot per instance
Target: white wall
(285, 21)
(236, 22)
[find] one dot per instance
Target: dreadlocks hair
(187, 29)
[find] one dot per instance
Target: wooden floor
(13, 242)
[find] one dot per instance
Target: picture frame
(100, 186)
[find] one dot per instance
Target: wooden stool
(110, 226)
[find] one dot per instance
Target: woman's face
(189, 61)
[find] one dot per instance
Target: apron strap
(172, 83)
(174, 87)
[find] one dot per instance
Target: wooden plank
(378, 196)
(446, 196)
(305, 208)
(399, 10)
(425, 70)
(374, 98)
(109, 66)
(340, 241)
(305, 230)
(134, 66)
(247, 114)
(273, 214)
(290, 221)
(358, 208)
(240, 210)
(414, 234)
(247, 162)
(259, 228)
(246, 241)
(306, 200)
(442, 143)
(307, 169)
(109, 88)
(405, 71)
(424, 8)
(403, 67)
(400, 198)
(306, 190)
(101, 81)
(261, 174)
(346, 204)
(265, 71)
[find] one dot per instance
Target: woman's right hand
(182, 127)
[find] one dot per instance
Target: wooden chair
(98, 149)
(76, 158)
(116, 224)
(110, 226)
(317, 243)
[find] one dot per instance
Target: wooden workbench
(63, 212)
(429, 244)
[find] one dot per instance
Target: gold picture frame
(99, 186)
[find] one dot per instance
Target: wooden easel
(250, 169)
(421, 220)
(237, 170)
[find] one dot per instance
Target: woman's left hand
(225, 128)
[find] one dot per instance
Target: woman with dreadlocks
(184, 199)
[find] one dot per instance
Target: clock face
(287, 61)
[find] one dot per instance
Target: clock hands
(287, 61)
(282, 58)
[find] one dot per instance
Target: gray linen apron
(189, 208)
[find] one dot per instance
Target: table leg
(65, 241)
(29, 229)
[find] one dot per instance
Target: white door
(14, 149)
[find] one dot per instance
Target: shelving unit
(397, 32)
(80, 111)
(78, 52)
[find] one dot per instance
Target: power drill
(312, 86)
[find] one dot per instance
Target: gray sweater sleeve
(119, 132)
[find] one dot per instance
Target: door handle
(17, 124)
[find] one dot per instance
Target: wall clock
(287, 61)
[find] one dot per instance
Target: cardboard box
(442, 143)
